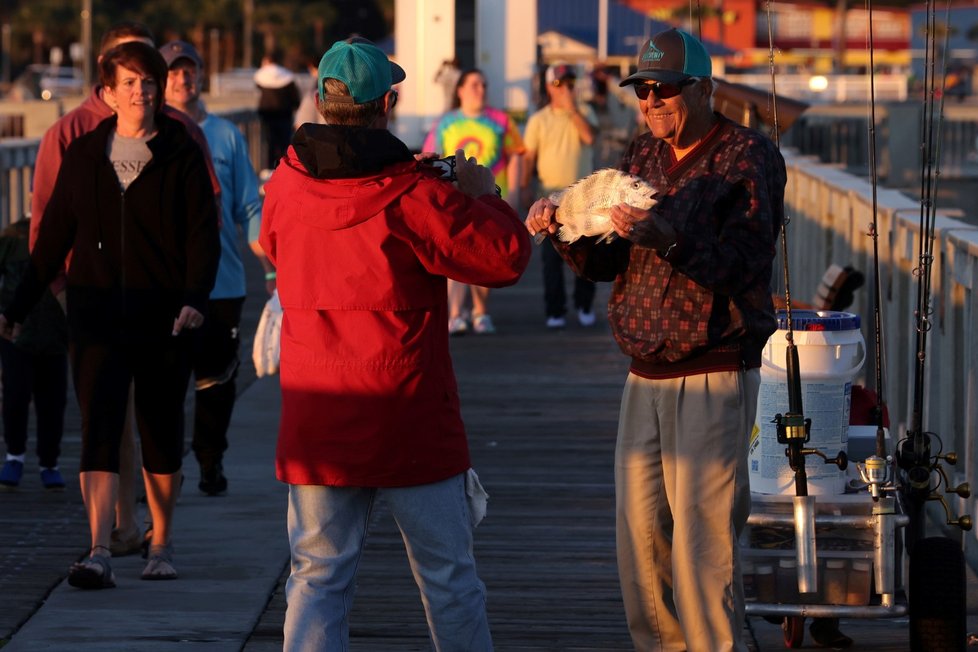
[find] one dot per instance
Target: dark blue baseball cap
(671, 57)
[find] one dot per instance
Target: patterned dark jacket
(707, 305)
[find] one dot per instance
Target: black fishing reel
(920, 464)
(446, 168)
(794, 431)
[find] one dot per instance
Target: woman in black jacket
(134, 209)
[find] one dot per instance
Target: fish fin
(608, 237)
(567, 235)
(556, 197)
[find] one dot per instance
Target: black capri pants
(159, 370)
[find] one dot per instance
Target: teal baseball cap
(671, 57)
(362, 66)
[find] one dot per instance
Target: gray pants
(683, 497)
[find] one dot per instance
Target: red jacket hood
(369, 169)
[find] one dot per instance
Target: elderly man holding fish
(691, 306)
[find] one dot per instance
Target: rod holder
(884, 533)
(805, 544)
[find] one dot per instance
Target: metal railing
(17, 157)
(830, 217)
(840, 134)
(829, 89)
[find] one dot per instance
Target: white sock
(16, 458)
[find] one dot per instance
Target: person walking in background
(34, 367)
(447, 77)
(691, 306)
(278, 100)
(134, 205)
(216, 349)
(126, 537)
(308, 111)
(491, 137)
(559, 139)
(370, 405)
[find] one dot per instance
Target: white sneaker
(556, 322)
(482, 325)
(585, 318)
(457, 326)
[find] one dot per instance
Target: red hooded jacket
(363, 238)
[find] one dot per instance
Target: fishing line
(874, 234)
(777, 141)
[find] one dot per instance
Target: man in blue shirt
(216, 358)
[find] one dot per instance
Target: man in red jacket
(363, 238)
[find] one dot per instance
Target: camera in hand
(446, 167)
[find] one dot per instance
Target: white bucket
(831, 351)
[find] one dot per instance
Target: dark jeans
(45, 378)
(215, 369)
(278, 129)
(554, 295)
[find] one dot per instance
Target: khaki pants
(683, 497)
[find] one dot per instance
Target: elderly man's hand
(541, 219)
(642, 227)
(473, 179)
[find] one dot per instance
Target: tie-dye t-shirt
(491, 137)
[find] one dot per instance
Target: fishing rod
(793, 429)
(915, 454)
(880, 407)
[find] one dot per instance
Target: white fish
(583, 208)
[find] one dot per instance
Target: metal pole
(249, 28)
(5, 36)
(602, 30)
(86, 34)
(86, 17)
(215, 54)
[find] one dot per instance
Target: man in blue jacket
(216, 358)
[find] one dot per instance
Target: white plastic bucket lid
(818, 320)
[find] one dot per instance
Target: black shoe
(212, 480)
(825, 632)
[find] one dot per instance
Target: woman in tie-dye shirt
(491, 136)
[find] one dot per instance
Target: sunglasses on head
(662, 90)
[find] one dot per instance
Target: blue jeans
(327, 530)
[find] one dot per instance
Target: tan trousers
(682, 498)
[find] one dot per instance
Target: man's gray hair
(347, 113)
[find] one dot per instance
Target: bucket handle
(851, 372)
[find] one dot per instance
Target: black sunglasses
(663, 91)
